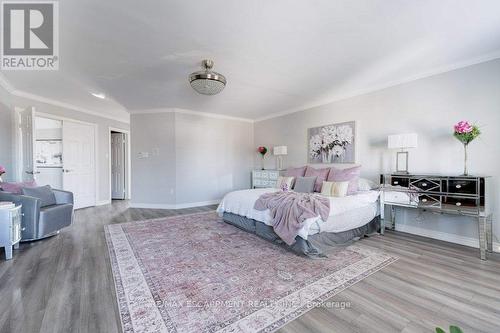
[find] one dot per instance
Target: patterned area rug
(195, 273)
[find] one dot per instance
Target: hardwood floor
(64, 284)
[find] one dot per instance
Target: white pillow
(326, 189)
(284, 183)
(366, 184)
(334, 189)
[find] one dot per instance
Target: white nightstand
(10, 228)
(265, 178)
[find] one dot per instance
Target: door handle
(32, 172)
(67, 170)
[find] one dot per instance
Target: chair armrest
(63, 197)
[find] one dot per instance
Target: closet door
(118, 165)
(79, 168)
(26, 136)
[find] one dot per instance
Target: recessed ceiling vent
(207, 82)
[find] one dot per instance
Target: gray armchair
(40, 219)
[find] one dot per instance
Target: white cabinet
(10, 229)
(265, 178)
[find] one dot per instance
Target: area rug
(195, 273)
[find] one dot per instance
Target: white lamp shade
(400, 141)
(280, 150)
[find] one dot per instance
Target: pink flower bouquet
(2, 170)
(465, 132)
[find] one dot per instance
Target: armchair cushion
(44, 193)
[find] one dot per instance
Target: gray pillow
(44, 193)
(304, 184)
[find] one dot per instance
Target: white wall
(153, 178)
(428, 107)
(198, 158)
(7, 104)
(5, 133)
(213, 157)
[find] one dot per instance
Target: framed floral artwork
(332, 143)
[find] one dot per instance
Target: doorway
(48, 152)
(57, 151)
(119, 164)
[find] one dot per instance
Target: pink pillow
(295, 172)
(16, 188)
(343, 175)
(320, 174)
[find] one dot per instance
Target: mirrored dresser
(456, 195)
(10, 227)
(265, 178)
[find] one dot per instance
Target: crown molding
(354, 93)
(33, 97)
(191, 112)
(4, 83)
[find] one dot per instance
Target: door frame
(128, 172)
(96, 145)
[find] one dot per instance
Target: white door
(79, 169)
(27, 137)
(118, 165)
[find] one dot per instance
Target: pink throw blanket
(289, 210)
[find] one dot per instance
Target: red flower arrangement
(262, 151)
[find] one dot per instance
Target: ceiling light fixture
(207, 82)
(99, 95)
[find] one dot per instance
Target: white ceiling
(277, 55)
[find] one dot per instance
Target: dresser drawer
(462, 186)
(400, 181)
(273, 175)
(258, 182)
(426, 184)
(460, 204)
(260, 174)
(264, 183)
(429, 201)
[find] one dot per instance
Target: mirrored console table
(456, 195)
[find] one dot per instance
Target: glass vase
(466, 171)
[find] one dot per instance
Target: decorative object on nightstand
(265, 178)
(279, 152)
(402, 141)
(262, 151)
(456, 195)
(10, 227)
(465, 133)
(2, 171)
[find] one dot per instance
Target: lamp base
(402, 162)
(279, 163)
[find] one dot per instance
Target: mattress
(346, 213)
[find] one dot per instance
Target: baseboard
(173, 206)
(444, 236)
(103, 202)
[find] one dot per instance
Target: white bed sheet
(346, 213)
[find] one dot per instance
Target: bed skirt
(316, 246)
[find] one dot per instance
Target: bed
(350, 218)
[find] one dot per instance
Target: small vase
(262, 162)
(466, 172)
